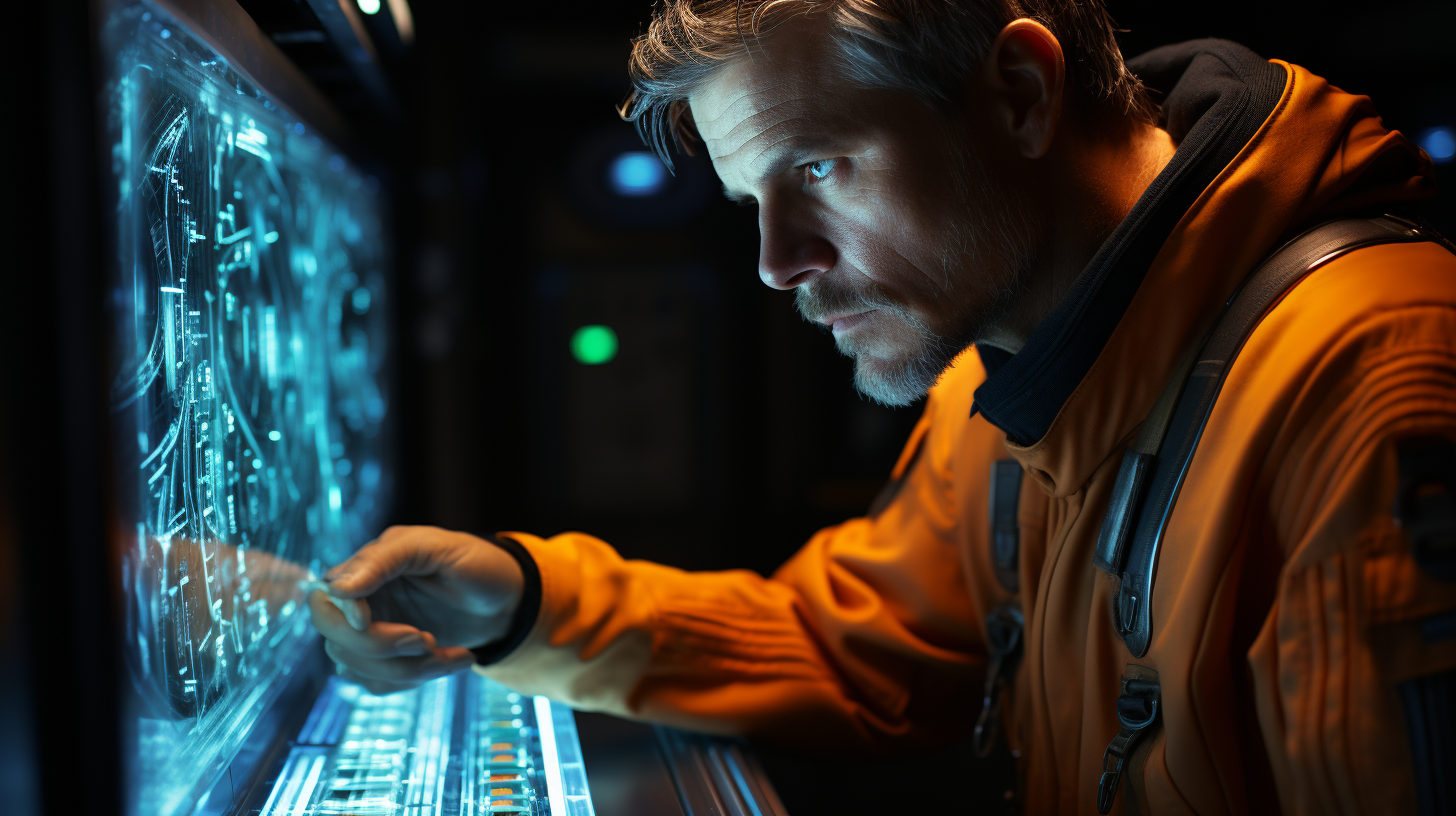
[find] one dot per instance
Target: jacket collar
(1220, 94)
(1262, 147)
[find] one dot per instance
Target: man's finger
(437, 663)
(399, 551)
(378, 639)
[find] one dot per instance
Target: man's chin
(895, 383)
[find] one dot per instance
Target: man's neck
(1090, 187)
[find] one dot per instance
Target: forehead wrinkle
(779, 156)
(773, 131)
(760, 113)
(748, 120)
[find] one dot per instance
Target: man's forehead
(741, 92)
(781, 84)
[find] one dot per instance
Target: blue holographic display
(249, 396)
(637, 173)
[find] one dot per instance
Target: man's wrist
(529, 608)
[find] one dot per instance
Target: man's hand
(418, 600)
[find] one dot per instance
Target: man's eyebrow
(786, 154)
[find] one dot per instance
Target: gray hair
(925, 47)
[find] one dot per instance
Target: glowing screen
(249, 391)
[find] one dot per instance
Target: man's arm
(865, 638)
(1349, 645)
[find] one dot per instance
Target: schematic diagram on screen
(250, 376)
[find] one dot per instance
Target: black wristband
(526, 613)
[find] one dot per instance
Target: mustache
(820, 299)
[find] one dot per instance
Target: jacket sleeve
(863, 639)
(1354, 670)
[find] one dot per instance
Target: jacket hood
(1264, 150)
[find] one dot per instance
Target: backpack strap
(1005, 526)
(1154, 468)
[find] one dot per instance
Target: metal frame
(228, 29)
(345, 28)
(716, 776)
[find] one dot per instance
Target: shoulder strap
(1153, 470)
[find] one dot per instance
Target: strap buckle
(1003, 635)
(1137, 710)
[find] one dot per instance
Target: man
(987, 172)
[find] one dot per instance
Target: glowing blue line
(254, 148)
(306, 794)
(165, 445)
(555, 790)
(732, 764)
(237, 236)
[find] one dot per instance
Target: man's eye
(820, 169)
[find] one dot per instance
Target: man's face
(886, 218)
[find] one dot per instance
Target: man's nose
(790, 255)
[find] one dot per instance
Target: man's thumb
(393, 554)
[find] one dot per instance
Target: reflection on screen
(248, 394)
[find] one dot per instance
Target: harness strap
(1153, 470)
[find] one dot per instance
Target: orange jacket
(1288, 605)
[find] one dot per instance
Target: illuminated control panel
(249, 392)
(460, 745)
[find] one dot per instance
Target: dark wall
(1398, 54)
(726, 430)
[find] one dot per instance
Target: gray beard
(891, 371)
(905, 376)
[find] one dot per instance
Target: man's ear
(1024, 73)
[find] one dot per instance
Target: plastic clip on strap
(1132, 476)
(1003, 634)
(1137, 710)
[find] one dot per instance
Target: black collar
(1219, 94)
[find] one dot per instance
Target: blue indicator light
(638, 173)
(1439, 143)
(369, 6)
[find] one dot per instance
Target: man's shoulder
(1377, 292)
(1361, 349)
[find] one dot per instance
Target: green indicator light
(594, 345)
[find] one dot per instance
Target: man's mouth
(845, 322)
